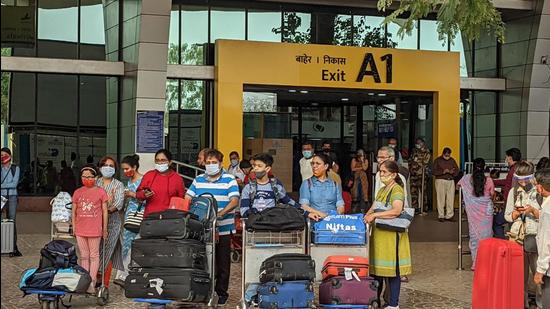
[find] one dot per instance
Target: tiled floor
(434, 284)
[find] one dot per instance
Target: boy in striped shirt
(225, 189)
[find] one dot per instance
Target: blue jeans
(11, 209)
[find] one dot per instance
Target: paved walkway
(434, 284)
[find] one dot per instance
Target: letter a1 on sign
(368, 67)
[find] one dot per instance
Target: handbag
(134, 218)
(398, 224)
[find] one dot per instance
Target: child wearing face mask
(90, 217)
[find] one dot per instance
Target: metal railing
(187, 171)
(468, 168)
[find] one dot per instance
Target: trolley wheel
(235, 256)
(374, 305)
(102, 296)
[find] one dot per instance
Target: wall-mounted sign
(150, 131)
(18, 28)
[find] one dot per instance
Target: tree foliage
(5, 89)
(468, 17)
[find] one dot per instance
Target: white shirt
(543, 239)
(379, 185)
(236, 171)
(305, 168)
(522, 199)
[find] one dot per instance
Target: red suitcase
(339, 291)
(498, 277)
(334, 265)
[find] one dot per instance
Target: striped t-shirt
(224, 189)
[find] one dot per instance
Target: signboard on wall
(150, 131)
(18, 26)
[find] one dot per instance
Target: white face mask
(107, 171)
(418, 146)
(234, 162)
(212, 169)
(161, 167)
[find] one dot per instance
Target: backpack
(75, 279)
(61, 210)
(254, 188)
(58, 254)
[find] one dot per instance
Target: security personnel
(418, 165)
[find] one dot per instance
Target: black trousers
(223, 265)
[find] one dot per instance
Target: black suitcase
(182, 284)
(287, 267)
(172, 223)
(184, 253)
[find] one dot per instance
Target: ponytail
(478, 177)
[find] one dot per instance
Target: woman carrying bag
(134, 212)
(389, 250)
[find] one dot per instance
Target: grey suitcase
(7, 236)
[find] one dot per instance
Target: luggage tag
(157, 284)
(350, 274)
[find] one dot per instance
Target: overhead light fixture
(344, 99)
(314, 104)
(381, 94)
(371, 93)
(303, 91)
(291, 90)
(404, 101)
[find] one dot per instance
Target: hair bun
(135, 156)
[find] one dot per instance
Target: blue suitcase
(340, 230)
(289, 294)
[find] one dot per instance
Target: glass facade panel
(92, 30)
(227, 23)
(368, 31)
(194, 34)
(296, 27)
(458, 46)
(343, 30)
(261, 25)
(174, 36)
(57, 29)
(429, 38)
(407, 42)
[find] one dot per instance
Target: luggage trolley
(260, 245)
(319, 252)
(210, 240)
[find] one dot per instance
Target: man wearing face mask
(445, 170)
(327, 150)
(10, 179)
(418, 165)
(305, 162)
(392, 143)
(234, 168)
(225, 189)
(542, 274)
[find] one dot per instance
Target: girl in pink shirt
(90, 221)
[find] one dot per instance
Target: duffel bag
(58, 254)
(75, 279)
(287, 267)
(183, 284)
(61, 207)
(172, 223)
(184, 253)
(277, 219)
(338, 229)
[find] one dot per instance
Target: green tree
(289, 29)
(192, 94)
(5, 89)
(470, 18)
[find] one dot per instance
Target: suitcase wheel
(374, 285)
(102, 296)
(335, 301)
(374, 305)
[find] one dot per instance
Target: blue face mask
(307, 154)
(107, 171)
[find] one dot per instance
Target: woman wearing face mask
(160, 185)
(90, 219)
(115, 207)
(234, 168)
(130, 166)
(359, 166)
(389, 251)
(523, 210)
(320, 194)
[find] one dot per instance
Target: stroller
(237, 240)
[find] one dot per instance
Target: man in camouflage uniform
(418, 163)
